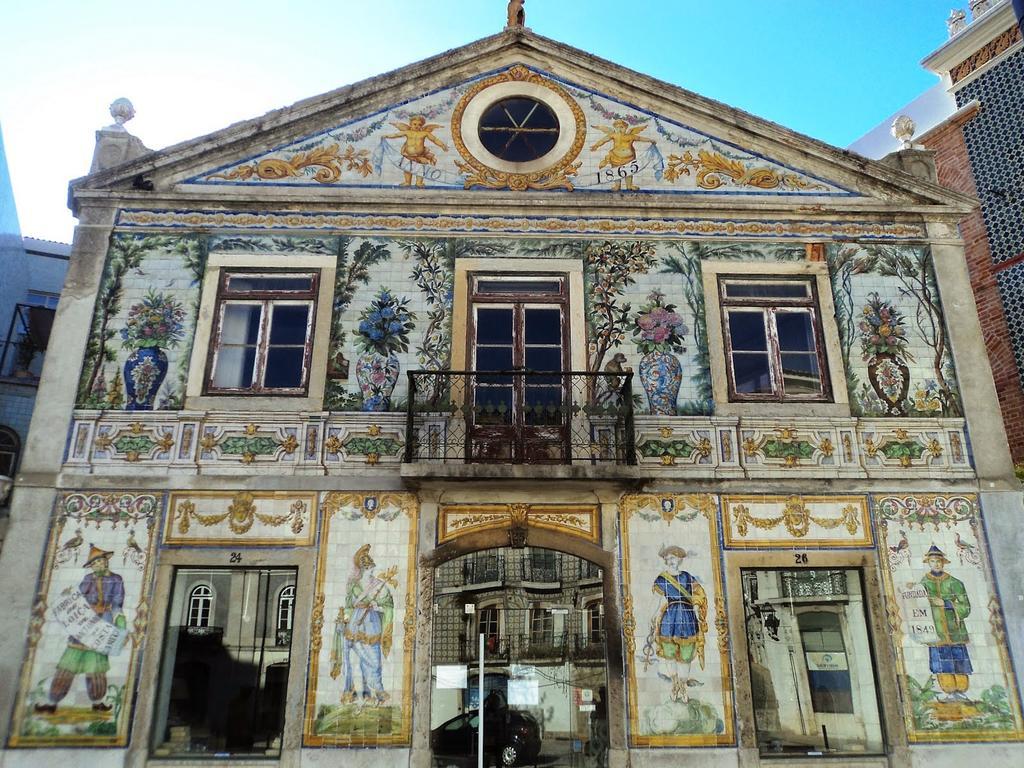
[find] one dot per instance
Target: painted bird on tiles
(70, 549)
(133, 551)
(966, 552)
(899, 552)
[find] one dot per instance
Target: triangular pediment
(617, 131)
(429, 143)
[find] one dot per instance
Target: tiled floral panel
(359, 689)
(604, 146)
(89, 622)
(457, 520)
(892, 331)
(141, 336)
(945, 620)
(795, 521)
(674, 624)
(243, 518)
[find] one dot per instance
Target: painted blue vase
(377, 376)
(144, 372)
(661, 373)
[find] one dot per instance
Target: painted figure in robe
(363, 631)
(948, 658)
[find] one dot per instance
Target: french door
(520, 393)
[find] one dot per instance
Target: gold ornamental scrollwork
(555, 176)
(240, 515)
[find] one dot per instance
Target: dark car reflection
(513, 739)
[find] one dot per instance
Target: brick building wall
(954, 171)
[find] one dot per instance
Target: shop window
(811, 668)
(263, 333)
(200, 606)
(773, 339)
(222, 689)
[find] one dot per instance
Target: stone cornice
(962, 46)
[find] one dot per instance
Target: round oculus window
(518, 129)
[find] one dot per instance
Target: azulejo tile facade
(667, 430)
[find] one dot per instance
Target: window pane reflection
(225, 667)
(811, 673)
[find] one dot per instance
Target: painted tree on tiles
(434, 274)
(684, 261)
(896, 321)
(99, 386)
(352, 271)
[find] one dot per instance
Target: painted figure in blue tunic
(363, 631)
(679, 628)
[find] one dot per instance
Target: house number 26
(800, 558)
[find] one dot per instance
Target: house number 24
(236, 557)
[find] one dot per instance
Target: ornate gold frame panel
(241, 518)
(687, 711)
(820, 522)
(367, 539)
(580, 520)
(537, 174)
(953, 665)
(119, 528)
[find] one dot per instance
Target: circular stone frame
(488, 170)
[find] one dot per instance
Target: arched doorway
(545, 688)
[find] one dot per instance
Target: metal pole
(480, 707)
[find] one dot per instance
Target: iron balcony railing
(520, 417)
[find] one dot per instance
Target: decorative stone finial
(957, 21)
(122, 111)
(980, 8)
(903, 131)
(516, 14)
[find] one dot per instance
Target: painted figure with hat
(363, 630)
(677, 632)
(948, 658)
(103, 590)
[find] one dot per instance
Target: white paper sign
(917, 614)
(523, 693)
(75, 614)
(452, 676)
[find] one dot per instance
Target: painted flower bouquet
(384, 326)
(883, 330)
(156, 321)
(658, 327)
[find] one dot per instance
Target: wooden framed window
(263, 332)
(773, 339)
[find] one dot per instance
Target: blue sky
(832, 69)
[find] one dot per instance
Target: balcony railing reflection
(520, 417)
(565, 646)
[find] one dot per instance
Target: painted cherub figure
(623, 152)
(417, 132)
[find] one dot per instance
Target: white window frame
(209, 597)
(285, 608)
